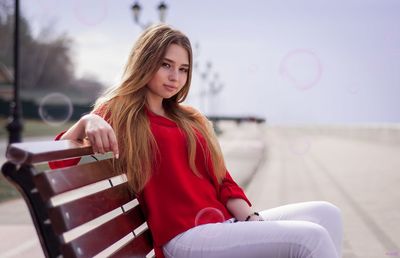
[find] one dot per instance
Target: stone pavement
(357, 172)
(356, 169)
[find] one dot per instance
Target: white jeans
(308, 229)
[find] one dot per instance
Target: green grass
(33, 128)
(7, 191)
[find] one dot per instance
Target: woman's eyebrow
(171, 61)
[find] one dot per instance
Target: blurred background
(323, 74)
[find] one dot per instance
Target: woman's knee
(318, 241)
(330, 207)
(327, 211)
(315, 231)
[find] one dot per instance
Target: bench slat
(140, 246)
(72, 214)
(59, 181)
(34, 152)
(105, 235)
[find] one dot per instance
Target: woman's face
(172, 75)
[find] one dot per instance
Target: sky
(288, 61)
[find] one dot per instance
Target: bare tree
(46, 61)
(5, 8)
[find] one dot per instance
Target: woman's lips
(170, 87)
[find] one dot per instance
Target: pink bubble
(55, 109)
(16, 157)
(90, 12)
(209, 215)
(302, 68)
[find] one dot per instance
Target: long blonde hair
(123, 106)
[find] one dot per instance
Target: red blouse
(175, 199)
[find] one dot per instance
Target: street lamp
(137, 8)
(15, 126)
(215, 89)
(204, 75)
(162, 9)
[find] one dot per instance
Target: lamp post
(137, 8)
(203, 93)
(209, 84)
(215, 89)
(210, 87)
(15, 125)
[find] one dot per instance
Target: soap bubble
(90, 12)
(302, 68)
(211, 216)
(55, 109)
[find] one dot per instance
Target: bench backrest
(79, 211)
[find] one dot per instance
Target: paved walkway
(356, 169)
(358, 174)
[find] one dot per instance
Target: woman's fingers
(104, 140)
(114, 144)
(93, 143)
(96, 140)
(110, 142)
(101, 141)
(101, 135)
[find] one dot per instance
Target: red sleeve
(65, 162)
(101, 111)
(230, 189)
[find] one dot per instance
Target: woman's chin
(169, 95)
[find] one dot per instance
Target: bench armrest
(34, 152)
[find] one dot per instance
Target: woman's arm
(77, 131)
(99, 133)
(240, 209)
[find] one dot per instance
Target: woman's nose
(173, 75)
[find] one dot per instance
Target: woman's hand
(100, 134)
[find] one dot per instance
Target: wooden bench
(84, 210)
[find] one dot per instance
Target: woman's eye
(184, 70)
(166, 65)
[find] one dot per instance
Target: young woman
(175, 166)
